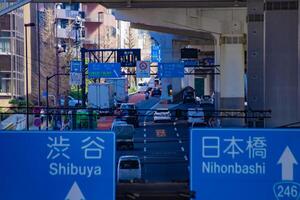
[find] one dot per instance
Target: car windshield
(123, 129)
(127, 106)
(129, 164)
(142, 84)
(162, 111)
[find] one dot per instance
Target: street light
(26, 69)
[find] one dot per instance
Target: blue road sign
(155, 53)
(171, 70)
(44, 93)
(57, 165)
(191, 63)
(75, 66)
(104, 70)
(208, 61)
(246, 164)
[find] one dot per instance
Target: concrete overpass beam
(281, 62)
(255, 64)
(232, 62)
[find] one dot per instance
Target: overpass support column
(281, 62)
(232, 68)
(255, 64)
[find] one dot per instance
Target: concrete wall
(281, 66)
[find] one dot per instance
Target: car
(142, 87)
(71, 101)
(129, 169)
(196, 116)
(154, 82)
(189, 97)
(156, 92)
(162, 114)
(124, 135)
(205, 99)
(116, 122)
(129, 113)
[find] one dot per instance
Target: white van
(129, 169)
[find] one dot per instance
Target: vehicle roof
(195, 109)
(127, 104)
(162, 109)
(129, 157)
(123, 124)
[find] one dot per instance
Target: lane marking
(182, 149)
(145, 135)
(145, 130)
(145, 149)
(177, 134)
(175, 129)
(145, 141)
(174, 123)
(180, 142)
(186, 158)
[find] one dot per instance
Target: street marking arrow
(75, 193)
(287, 161)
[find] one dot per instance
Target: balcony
(94, 17)
(67, 14)
(65, 34)
(90, 41)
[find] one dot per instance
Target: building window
(4, 46)
(4, 82)
(62, 23)
(113, 31)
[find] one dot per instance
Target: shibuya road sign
(57, 165)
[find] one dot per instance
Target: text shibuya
(70, 169)
(235, 168)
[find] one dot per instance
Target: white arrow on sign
(75, 193)
(287, 161)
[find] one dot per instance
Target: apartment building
(11, 56)
(100, 27)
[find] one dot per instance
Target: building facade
(11, 56)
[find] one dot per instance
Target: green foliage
(19, 105)
(74, 92)
(17, 102)
(132, 90)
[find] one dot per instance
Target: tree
(49, 43)
(130, 42)
(130, 39)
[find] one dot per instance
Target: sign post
(57, 165)
(235, 164)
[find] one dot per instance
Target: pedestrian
(147, 95)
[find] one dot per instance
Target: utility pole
(57, 61)
(26, 73)
(39, 54)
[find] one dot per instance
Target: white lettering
(70, 169)
(235, 168)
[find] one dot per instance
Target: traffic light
(170, 90)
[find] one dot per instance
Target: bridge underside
(173, 4)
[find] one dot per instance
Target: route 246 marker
(247, 164)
